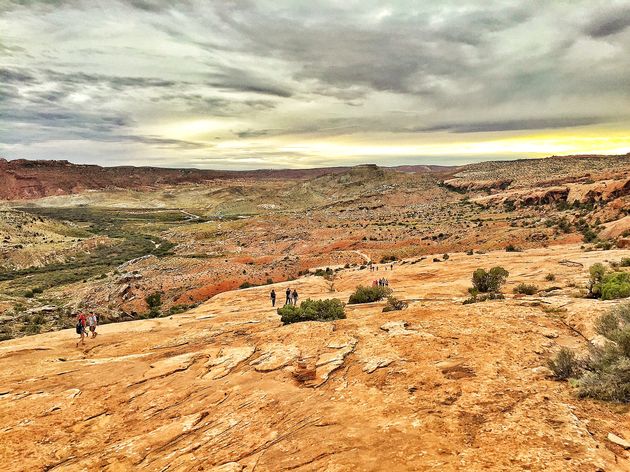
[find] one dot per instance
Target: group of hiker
(85, 321)
(292, 297)
(381, 282)
(374, 267)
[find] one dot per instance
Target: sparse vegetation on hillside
(312, 310)
(368, 294)
(605, 373)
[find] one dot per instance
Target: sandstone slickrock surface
(438, 386)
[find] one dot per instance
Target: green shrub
(246, 285)
(445, 257)
(526, 289)
(154, 302)
(550, 277)
(588, 235)
(394, 304)
(368, 294)
(512, 248)
(565, 365)
(313, 310)
(489, 281)
(615, 285)
(608, 285)
(624, 262)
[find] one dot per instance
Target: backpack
(79, 327)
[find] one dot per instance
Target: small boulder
(613, 438)
(542, 372)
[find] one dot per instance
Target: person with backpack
(273, 297)
(295, 297)
(288, 293)
(80, 327)
(92, 321)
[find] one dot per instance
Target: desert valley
(193, 369)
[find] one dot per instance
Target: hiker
(92, 321)
(295, 297)
(273, 297)
(80, 327)
(374, 283)
(288, 292)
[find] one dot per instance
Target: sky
(290, 84)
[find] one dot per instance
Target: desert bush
(445, 257)
(625, 262)
(368, 294)
(605, 373)
(588, 235)
(312, 310)
(604, 245)
(489, 281)
(526, 289)
(323, 272)
(176, 309)
(394, 304)
(596, 277)
(550, 277)
(470, 252)
(154, 302)
(475, 297)
(246, 285)
(565, 365)
(388, 258)
(512, 248)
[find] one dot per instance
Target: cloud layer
(242, 84)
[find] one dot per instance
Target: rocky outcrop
(614, 229)
(461, 185)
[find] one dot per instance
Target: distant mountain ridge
(23, 179)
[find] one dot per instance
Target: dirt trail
(440, 385)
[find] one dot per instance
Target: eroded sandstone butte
(438, 386)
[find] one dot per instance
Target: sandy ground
(438, 386)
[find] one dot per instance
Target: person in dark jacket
(288, 300)
(295, 297)
(272, 295)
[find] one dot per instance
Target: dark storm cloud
(513, 125)
(609, 22)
